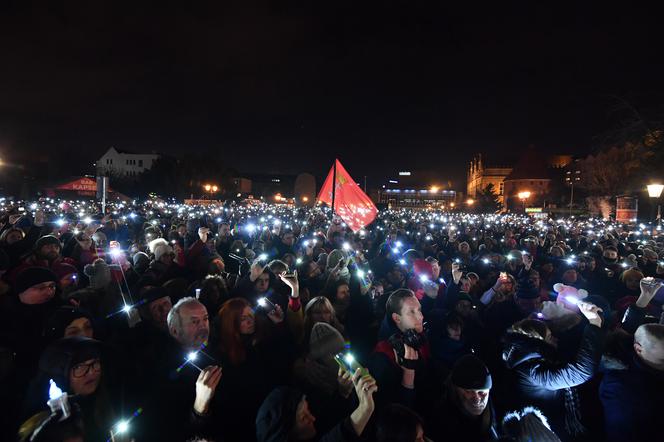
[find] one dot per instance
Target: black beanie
(31, 277)
(471, 373)
(46, 240)
(61, 318)
(152, 294)
(59, 357)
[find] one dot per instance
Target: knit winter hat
(99, 274)
(46, 240)
(325, 340)
(159, 248)
(470, 373)
(32, 276)
(60, 320)
(59, 357)
(63, 269)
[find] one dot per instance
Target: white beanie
(159, 247)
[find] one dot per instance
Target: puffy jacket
(538, 378)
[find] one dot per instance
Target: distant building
(396, 198)
(480, 176)
(122, 163)
(531, 174)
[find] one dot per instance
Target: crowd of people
(158, 321)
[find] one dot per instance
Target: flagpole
(334, 184)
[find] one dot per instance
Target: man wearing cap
(46, 254)
(22, 320)
(464, 412)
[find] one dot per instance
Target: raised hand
(206, 386)
(649, 287)
(456, 273)
(256, 270)
(292, 282)
(591, 312)
(276, 315)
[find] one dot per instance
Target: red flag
(350, 203)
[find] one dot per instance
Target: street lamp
(211, 189)
(470, 201)
(434, 189)
(654, 192)
(523, 196)
(570, 179)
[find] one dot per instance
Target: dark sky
(284, 86)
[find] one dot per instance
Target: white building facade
(123, 163)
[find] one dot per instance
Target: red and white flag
(351, 204)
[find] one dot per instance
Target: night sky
(284, 86)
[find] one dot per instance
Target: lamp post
(211, 189)
(654, 192)
(523, 196)
(571, 177)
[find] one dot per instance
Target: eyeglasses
(81, 370)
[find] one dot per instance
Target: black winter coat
(538, 378)
(631, 400)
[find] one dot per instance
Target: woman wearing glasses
(75, 365)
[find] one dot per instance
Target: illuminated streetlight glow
(655, 190)
(470, 201)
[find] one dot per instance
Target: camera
(411, 338)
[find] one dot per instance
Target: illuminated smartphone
(347, 362)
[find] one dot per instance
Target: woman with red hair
(256, 352)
